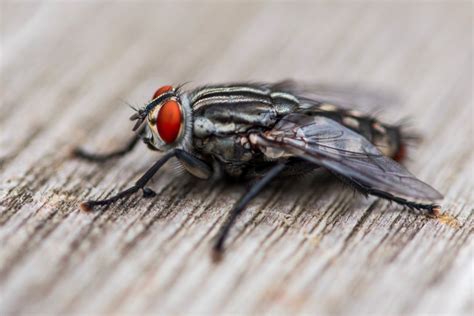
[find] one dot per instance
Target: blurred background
(68, 70)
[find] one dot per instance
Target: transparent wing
(348, 154)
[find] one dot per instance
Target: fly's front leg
(83, 154)
(194, 165)
(139, 185)
(218, 248)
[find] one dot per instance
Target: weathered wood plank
(307, 245)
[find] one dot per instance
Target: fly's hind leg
(431, 209)
(218, 247)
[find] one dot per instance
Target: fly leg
(83, 154)
(140, 184)
(432, 209)
(218, 248)
(194, 165)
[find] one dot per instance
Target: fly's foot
(78, 152)
(436, 210)
(148, 193)
(217, 254)
(86, 207)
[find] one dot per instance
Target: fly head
(168, 119)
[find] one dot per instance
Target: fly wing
(327, 143)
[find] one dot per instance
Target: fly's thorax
(222, 119)
(230, 148)
(226, 119)
(226, 110)
(224, 116)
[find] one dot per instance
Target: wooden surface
(306, 245)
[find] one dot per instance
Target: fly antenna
(141, 114)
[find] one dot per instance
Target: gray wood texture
(306, 245)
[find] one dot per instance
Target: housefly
(262, 131)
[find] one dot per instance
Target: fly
(262, 131)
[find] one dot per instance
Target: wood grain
(306, 245)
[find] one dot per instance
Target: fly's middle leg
(218, 247)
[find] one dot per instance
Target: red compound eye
(168, 121)
(161, 90)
